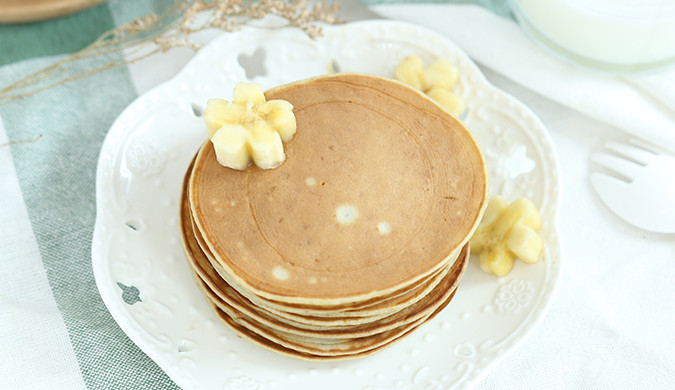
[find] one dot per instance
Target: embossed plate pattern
(137, 247)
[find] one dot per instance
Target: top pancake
(380, 188)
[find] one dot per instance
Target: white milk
(604, 32)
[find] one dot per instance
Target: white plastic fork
(638, 184)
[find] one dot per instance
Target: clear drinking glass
(612, 35)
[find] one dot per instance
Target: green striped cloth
(55, 331)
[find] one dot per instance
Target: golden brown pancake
(411, 314)
(374, 308)
(366, 147)
(357, 239)
(271, 345)
(218, 291)
(221, 294)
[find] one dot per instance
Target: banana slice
(448, 99)
(506, 232)
(411, 71)
(437, 80)
(249, 128)
(441, 74)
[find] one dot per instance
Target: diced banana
(266, 148)
(447, 99)
(507, 231)
(441, 74)
(411, 71)
(231, 146)
(249, 128)
(280, 115)
(219, 112)
(528, 211)
(525, 243)
(497, 261)
(437, 80)
(248, 93)
(493, 210)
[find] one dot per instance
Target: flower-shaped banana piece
(249, 128)
(507, 231)
(437, 80)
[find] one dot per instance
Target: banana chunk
(411, 71)
(249, 128)
(437, 80)
(448, 99)
(506, 232)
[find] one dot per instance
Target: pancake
(411, 314)
(218, 291)
(227, 293)
(229, 300)
(342, 314)
(409, 174)
(356, 240)
(268, 344)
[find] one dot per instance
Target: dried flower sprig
(21, 141)
(153, 33)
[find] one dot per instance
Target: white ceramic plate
(137, 247)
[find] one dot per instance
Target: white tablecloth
(611, 325)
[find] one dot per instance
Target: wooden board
(24, 11)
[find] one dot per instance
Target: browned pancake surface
(364, 143)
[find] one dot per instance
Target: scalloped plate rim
(127, 323)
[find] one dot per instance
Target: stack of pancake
(357, 239)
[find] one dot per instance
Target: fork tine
(633, 153)
(646, 145)
(606, 184)
(619, 167)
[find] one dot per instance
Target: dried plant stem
(152, 34)
(21, 141)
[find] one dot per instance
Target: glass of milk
(613, 35)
